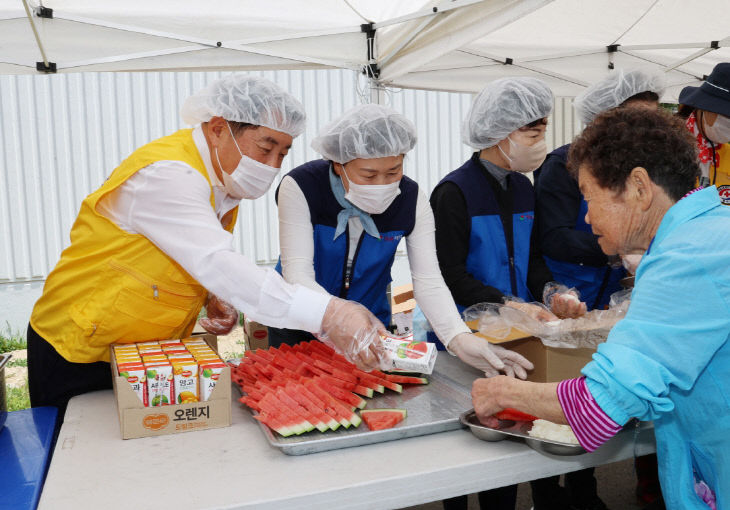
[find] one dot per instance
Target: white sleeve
(296, 236)
(168, 202)
(429, 288)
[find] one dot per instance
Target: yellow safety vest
(112, 286)
(720, 176)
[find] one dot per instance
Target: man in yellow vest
(155, 239)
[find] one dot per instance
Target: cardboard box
(552, 364)
(402, 300)
(136, 420)
(255, 334)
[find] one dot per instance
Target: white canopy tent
(453, 45)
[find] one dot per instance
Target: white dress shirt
(296, 240)
(168, 202)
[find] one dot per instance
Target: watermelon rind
(404, 412)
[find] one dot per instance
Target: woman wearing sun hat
(707, 109)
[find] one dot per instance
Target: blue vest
(595, 284)
(373, 258)
(488, 259)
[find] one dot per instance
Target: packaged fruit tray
(431, 408)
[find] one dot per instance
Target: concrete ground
(616, 486)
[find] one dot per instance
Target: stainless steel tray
(434, 407)
(517, 429)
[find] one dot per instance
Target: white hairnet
(246, 98)
(503, 106)
(366, 131)
(614, 90)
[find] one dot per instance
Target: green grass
(11, 340)
(18, 363)
(18, 398)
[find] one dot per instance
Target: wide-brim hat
(713, 95)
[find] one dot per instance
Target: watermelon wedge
(381, 419)
(403, 379)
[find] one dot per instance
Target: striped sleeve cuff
(590, 424)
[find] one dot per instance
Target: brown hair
(621, 139)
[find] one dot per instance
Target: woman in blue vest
(341, 219)
(484, 215)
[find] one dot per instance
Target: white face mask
(525, 158)
(719, 132)
(371, 198)
(250, 179)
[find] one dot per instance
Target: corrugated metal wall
(61, 136)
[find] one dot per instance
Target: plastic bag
(497, 321)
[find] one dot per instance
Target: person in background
(154, 242)
(572, 253)
(707, 112)
(665, 361)
(341, 219)
(484, 214)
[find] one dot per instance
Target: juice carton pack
(406, 354)
(185, 377)
(209, 374)
(159, 384)
(136, 376)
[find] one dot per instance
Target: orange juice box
(125, 349)
(150, 350)
(185, 378)
(128, 359)
(154, 358)
(171, 352)
(180, 356)
(159, 384)
(193, 341)
(169, 342)
(136, 376)
(209, 374)
(149, 342)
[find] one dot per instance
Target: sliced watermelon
(514, 415)
(340, 394)
(275, 424)
(295, 390)
(404, 379)
(380, 419)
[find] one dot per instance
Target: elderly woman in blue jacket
(664, 361)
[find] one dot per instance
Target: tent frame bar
(430, 11)
(45, 65)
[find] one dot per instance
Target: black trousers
(278, 336)
(502, 498)
(53, 381)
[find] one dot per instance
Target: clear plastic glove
(563, 302)
(351, 330)
(489, 358)
(536, 312)
(222, 317)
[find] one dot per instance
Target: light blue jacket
(669, 359)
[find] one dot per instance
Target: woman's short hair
(621, 139)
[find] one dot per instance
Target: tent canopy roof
(455, 45)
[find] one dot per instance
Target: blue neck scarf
(349, 210)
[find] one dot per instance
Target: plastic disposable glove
(351, 330)
(222, 317)
(489, 358)
(537, 312)
(563, 302)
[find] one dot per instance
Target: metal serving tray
(434, 407)
(518, 429)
